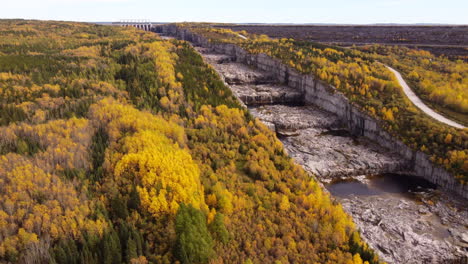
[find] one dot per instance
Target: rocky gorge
(339, 144)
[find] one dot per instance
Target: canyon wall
(325, 96)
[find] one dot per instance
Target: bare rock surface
(299, 117)
(238, 73)
(234, 72)
(324, 152)
(404, 230)
(267, 94)
(214, 58)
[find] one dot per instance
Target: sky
(243, 11)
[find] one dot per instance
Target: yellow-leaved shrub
(167, 173)
(148, 150)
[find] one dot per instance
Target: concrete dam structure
(143, 24)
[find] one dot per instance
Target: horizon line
(264, 23)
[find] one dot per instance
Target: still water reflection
(377, 185)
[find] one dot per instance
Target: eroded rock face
(238, 73)
(215, 58)
(267, 94)
(310, 138)
(295, 118)
(405, 230)
(251, 86)
(234, 72)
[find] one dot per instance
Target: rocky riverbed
(403, 226)
(313, 138)
(406, 226)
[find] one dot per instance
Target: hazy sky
(280, 11)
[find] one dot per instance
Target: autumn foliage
(359, 73)
(119, 147)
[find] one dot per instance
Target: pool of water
(400, 187)
(378, 185)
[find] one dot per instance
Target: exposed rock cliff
(252, 86)
(310, 137)
(328, 98)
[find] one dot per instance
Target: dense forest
(364, 79)
(119, 147)
(440, 82)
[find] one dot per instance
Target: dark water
(377, 185)
(338, 133)
(346, 188)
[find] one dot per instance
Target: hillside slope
(119, 147)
